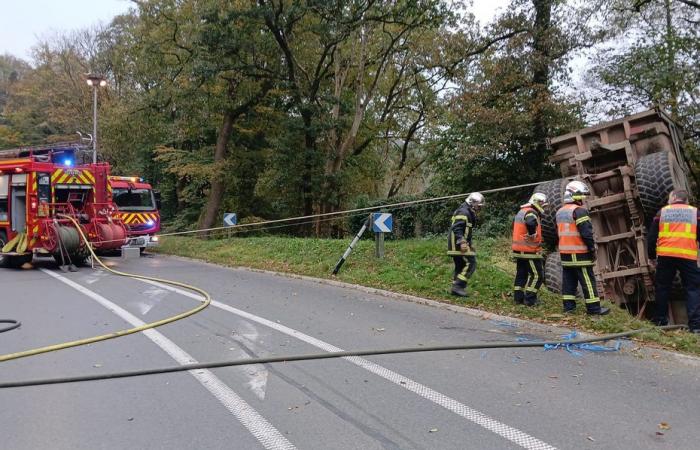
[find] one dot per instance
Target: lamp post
(95, 81)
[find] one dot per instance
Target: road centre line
(258, 426)
(505, 431)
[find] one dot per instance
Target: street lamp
(95, 81)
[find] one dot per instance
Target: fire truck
(138, 206)
(44, 193)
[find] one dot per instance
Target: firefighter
(673, 247)
(577, 250)
(459, 242)
(527, 248)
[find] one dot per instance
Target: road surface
(495, 399)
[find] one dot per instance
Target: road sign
(382, 222)
(230, 219)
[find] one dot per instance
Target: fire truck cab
(138, 206)
(44, 193)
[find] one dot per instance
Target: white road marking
(506, 431)
(154, 295)
(259, 427)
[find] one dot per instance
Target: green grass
(418, 267)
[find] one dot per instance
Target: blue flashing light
(68, 162)
(150, 223)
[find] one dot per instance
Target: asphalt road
(495, 399)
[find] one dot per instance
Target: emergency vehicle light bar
(132, 179)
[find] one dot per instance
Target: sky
(23, 22)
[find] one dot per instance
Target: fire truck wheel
(3, 241)
(553, 190)
(18, 261)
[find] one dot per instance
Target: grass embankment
(418, 267)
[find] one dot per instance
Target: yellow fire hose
(52, 348)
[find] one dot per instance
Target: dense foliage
(278, 108)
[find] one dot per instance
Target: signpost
(381, 223)
(230, 220)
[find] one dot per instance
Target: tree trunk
(540, 80)
(211, 210)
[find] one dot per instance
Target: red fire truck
(41, 190)
(138, 206)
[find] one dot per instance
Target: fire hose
(328, 355)
(206, 300)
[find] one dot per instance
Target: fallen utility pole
(342, 259)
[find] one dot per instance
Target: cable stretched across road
(318, 356)
(12, 325)
(351, 211)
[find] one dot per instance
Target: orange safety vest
(678, 228)
(520, 242)
(570, 240)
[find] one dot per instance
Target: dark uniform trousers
(690, 277)
(571, 278)
(529, 276)
(464, 268)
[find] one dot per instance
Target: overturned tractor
(631, 166)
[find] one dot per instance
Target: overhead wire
(349, 211)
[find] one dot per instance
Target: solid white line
(265, 433)
(506, 431)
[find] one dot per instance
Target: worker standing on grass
(527, 250)
(577, 250)
(459, 242)
(673, 242)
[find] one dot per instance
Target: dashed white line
(258, 426)
(506, 431)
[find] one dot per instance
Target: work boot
(569, 306)
(660, 321)
(459, 288)
(519, 297)
(594, 309)
(531, 299)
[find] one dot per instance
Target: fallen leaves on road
(664, 426)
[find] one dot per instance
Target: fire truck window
(134, 199)
(3, 209)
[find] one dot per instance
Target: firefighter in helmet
(527, 250)
(577, 250)
(459, 242)
(673, 243)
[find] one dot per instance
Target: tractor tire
(554, 191)
(657, 175)
(553, 275)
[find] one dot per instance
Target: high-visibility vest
(678, 228)
(570, 240)
(520, 243)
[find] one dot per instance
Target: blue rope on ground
(575, 349)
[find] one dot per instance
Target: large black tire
(553, 275)
(554, 190)
(17, 261)
(3, 241)
(657, 175)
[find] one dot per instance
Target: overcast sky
(23, 22)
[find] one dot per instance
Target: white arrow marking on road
(506, 431)
(259, 427)
(380, 222)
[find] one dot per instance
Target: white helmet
(475, 200)
(577, 190)
(538, 200)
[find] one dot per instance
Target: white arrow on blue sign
(230, 219)
(382, 222)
